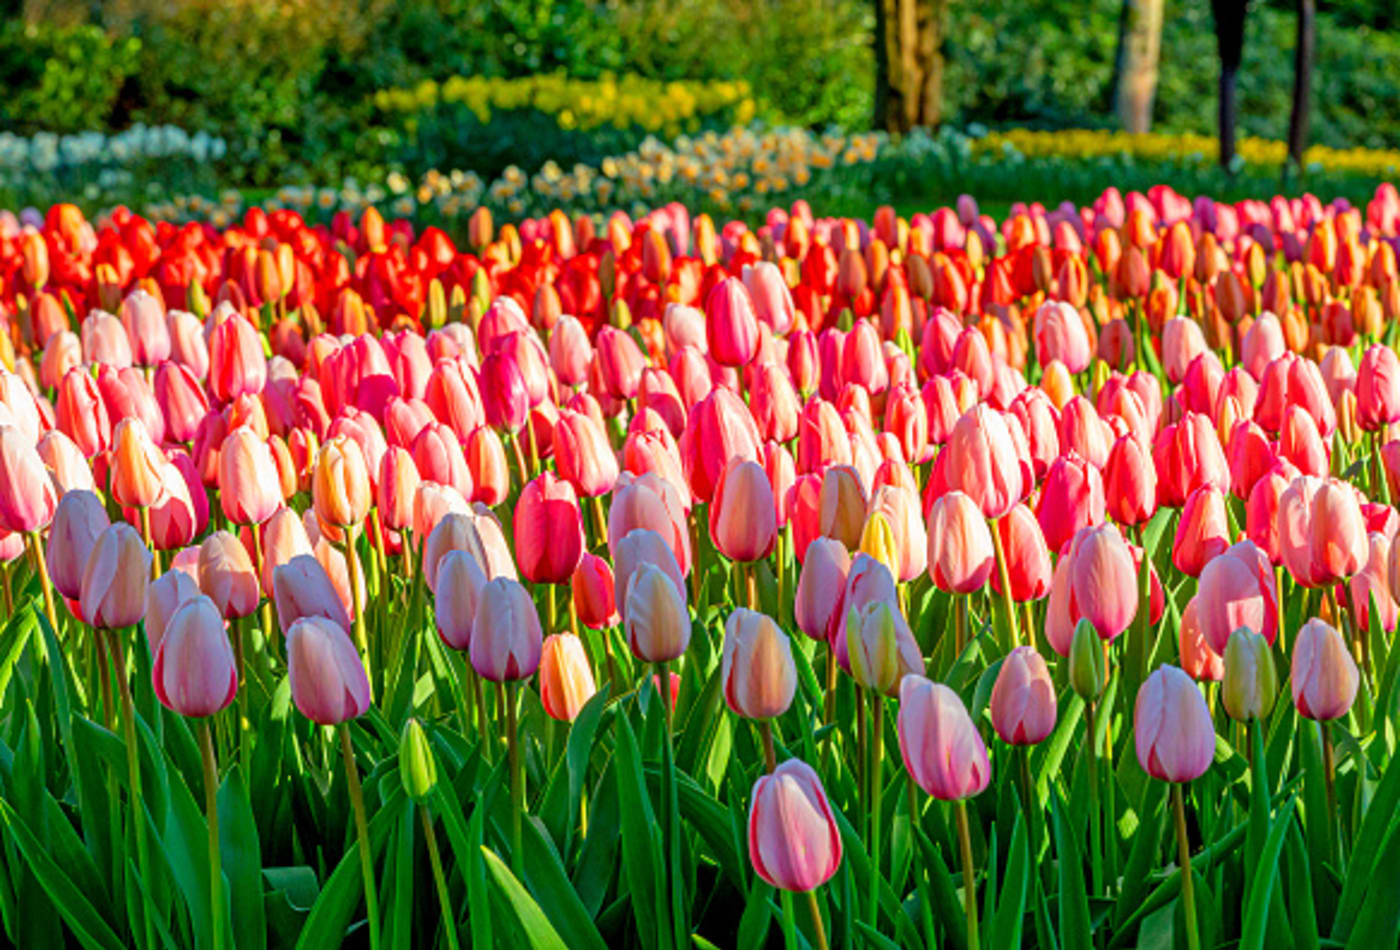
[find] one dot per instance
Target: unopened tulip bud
(941, 746)
(417, 764)
(1251, 681)
(328, 680)
(1086, 666)
(1172, 730)
(793, 839)
(880, 648)
(1023, 698)
(1324, 675)
(758, 672)
(114, 582)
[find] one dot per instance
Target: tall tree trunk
(908, 63)
(1302, 81)
(1229, 40)
(1135, 66)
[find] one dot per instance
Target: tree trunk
(908, 63)
(1302, 81)
(1135, 66)
(1229, 39)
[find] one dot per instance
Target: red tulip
(1027, 556)
(548, 530)
(730, 325)
(1202, 532)
(592, 588)
(237, 365)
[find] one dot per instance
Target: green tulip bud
(417, 766)
(1251, 681)
(1086, 667)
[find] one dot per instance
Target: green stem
(1095, 842)
(789, 922)
(357, 600)
(36, 547)
(770, 755)
(1188, 886)
(1004, 576)
(920, 879)
(818, 928)
(671, 810)
(449, 925)
(357, 802)
(1329, 770)
(508, 696)
(133, 764)
(211, 807)
(877, 734)
(969, 880)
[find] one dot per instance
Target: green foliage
(62, 79)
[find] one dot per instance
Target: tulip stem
(818, 928)
(960, 634)
(789, 921)
(36, 548)
(1188, 886)
(449, 925)
(751, 582)
(357, 802)
(1329, 770)
(265, 608)
(920, 879)
(1095, 842)
(770, 755)
(236, 632)
(5, 591)
(519, 458)
(969, 880)
(671, 810)
(1005, 577)
(146, 537)
(877, 735)
(780, 571)
(133, 764)
(357, 599)
(509, 694)
(211, 807)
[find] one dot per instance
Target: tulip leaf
(15, 638)
(757, 916)
(1363, 864)
(1377, 921)
(1010, 916)
(70, 901)
(397, 898)
(944, 897)
(1302, 913)
(1265, 872)
(534, 926)
(242, 861)
(544, 873)
(641, 856)
(1076, 929)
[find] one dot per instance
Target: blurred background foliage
(289, 84)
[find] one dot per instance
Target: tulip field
(662, 582)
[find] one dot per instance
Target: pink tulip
(164, 596)
(249, 488)
(1203, 531)
(1324, 675)
(730, 325)
(760, 678)
(1023, 698)
(328, 680)
(1060, 335)
(582, 452)
(1198, 659)
(237, 365)
(1172, 729)
(226, 575)
(743, 513)
(1371, 582)
(1104, 580)
(27, 496)
(1378, 388)
(983, 462)
(941, 747)
(717, 431)
(655, 618)
(794, 842)
(821, 584)
(1337, 543)
(506, 640)
(1072, 497)
(650, 501)
(548, 530)
(876, 645)
(960, 550)
(592, 590)
(302, 588)
(1237, 589)
(78, 520)
(566, 681)
(194, 672)
(118, 568)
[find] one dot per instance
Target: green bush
(62, 79)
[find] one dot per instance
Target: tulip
(1173, 734)
(1023, 698)
(328, 681)
(1337, 545)
(249, 486)
(983, 462)
(1072, 497)
(78, 520)
(1378, 388)
(1198, 658)
(743, 513)
(731, 327)
(842, 505)
(340, 485)
(584, 457)
(1250, 680)
(650, 501)
(548, 530)
(113, 591)
(655, 618)
(1324, 675)
(194, 671)
(456, 603)
(759, 676)
(505, 635)
(960, 549)
(1371, 582)
(1059, 335)
(237, 365)
(1086, 662)
(1027, 556)
(1236, 590)
(301, 587)
(164, 596)
(27, 496)
(1202, 532)
(794, 842)
(566, 680)
(939, 743)
(226, 575)
(592, 588)
(817, 607)
(1104, 580)
(879, 647)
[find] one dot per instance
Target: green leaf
(545, 875)
(1266, 871)
(1302, 913)
(1075, 927)
(533, 926)
(1378, 921)
(944, 897)
(242, 860)
(397, 901)
(15, 638)
(1011, 910)
(1378, 818)
(77, 912)
(641, 855)
(757, 916)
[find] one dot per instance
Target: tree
(1135, 66)
(908, 63)
(1229, 40)
(1302, 81)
